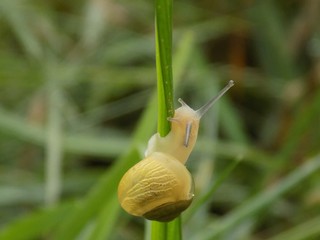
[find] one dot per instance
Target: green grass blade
(174, 230)
(306, 116)
(232, 123)
(269, 33)
(14, 126)
(201, 201)
(306, 230)
(260, 201)
(34, 225)
(158, 230)
(163, 38)
(54, 152)
(97, 198)
(76, 218)
(105, 222)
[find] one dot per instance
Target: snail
(160, 187)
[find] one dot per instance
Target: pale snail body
(183, 135)
(160, 187)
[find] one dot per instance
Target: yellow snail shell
(158, 188)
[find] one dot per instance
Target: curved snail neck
(191, 115)
(184, 130)
(201, 111)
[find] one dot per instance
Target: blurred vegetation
(77, 107)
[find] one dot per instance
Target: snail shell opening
(158, 188)
(168, 211)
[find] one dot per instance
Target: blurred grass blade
(97, 198)
(262, 200)
(54, 152)
(17, 14)
(203, 199)
(270, 38)
(182, 55)
(232, 123)
(76, 218)
(307, 230)
(305, 116)
(94, 23)
(16, 127)
(35, 225)
(106, 220)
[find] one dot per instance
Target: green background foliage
(78, 105)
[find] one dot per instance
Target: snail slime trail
(160, 187)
